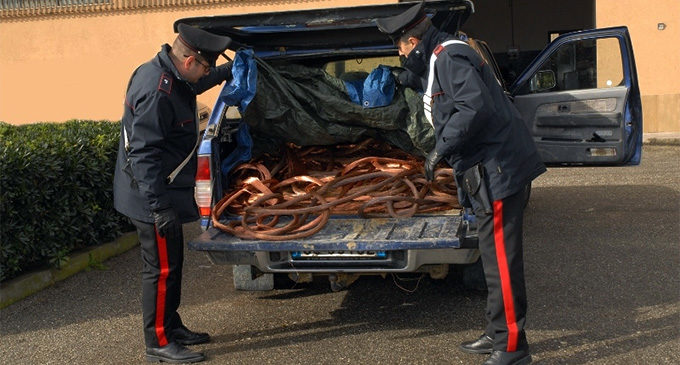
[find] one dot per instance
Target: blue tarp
(375, 91)
(240, 92)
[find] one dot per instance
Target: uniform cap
(395, 26)
(206, 44)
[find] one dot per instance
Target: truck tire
(244, 279)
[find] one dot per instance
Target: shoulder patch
(438, 50)
(165, 83)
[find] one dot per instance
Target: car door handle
(563, 108)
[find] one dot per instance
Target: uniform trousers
(162, 261)
(500, 245)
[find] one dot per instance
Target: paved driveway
(602, 262)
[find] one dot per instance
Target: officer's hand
(225, 69)
(166, 222)
(397, 73)
(431, 163)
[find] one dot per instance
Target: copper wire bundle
(308, 185)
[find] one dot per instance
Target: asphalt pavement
(602, 256)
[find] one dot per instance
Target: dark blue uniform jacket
(474, 120)
(160, 121)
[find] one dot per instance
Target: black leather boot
(482, 345)
(185, 336)
(521, 357)
(174, 353)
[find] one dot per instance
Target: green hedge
(56, 192)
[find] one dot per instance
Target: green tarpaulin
(307, 106)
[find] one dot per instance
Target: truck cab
(579, 98)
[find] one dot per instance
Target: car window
(358, 68)
(577, 65)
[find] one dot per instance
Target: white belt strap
(179, 168)
(427, 97)
(127, 142)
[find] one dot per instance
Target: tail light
(203, 193)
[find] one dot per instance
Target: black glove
(431, 163)
(397, 73)
(166, 221)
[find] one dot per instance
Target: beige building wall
(657, 55)
(59, 67)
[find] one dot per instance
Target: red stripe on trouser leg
(504, 272)
(160, 292)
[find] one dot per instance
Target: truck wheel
(247, 278)
(473, 276)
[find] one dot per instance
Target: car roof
(332, 28)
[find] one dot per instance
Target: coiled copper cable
(298, 195)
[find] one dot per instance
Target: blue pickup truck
(579, 97)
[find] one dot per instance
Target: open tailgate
(351, 233)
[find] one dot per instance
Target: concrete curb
(662, 142)
(18, 288)
(661, 139)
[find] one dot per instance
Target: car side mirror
(543, 80)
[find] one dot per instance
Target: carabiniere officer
(482, 136)
(154, 177)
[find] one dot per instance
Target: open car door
(581, 101)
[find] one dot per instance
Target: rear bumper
(398, 261)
